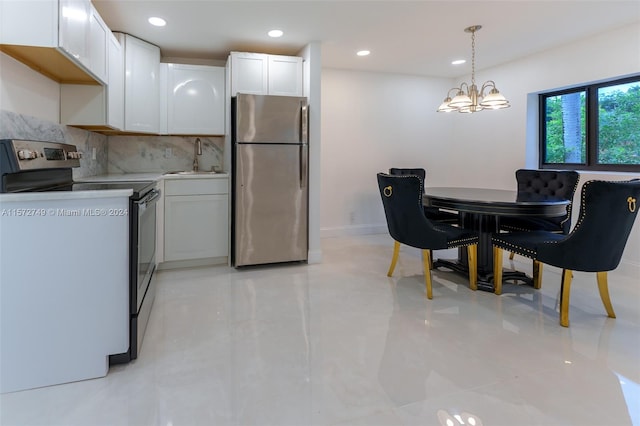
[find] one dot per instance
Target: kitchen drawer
(188, 186)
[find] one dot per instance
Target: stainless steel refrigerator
(270, 176)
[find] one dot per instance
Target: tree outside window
(592, 127)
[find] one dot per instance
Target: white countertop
(103, 193)
(198, 176)
(151, 176)
(122, 177)
(63, 195)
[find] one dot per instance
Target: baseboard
(192, 263)
(345, 231)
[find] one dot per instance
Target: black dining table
(480, 210)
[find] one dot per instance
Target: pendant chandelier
(467, 98)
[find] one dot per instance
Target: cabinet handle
(303, 165)
(304, 123)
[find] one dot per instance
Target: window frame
(591, 123)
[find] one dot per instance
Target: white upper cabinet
(195, 99)
(141, 85)
(249, 73)
(51, 36)
(97, 107)
(262, 74)
(75, 16)
(285, 75)
(115, 90)
(98, 45)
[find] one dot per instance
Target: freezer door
(271, 196)
(271, 119)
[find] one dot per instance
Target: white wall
(312, 55)
(371, 122)
(24, 91)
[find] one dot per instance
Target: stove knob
(79, 155)
(25, 154)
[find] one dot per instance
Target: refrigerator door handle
(304, 122)
(303, 165)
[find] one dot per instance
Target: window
(594, 127)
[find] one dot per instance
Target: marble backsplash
(117, 154)
(140, 154)
(18, 126)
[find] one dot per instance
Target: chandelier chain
(473, 57)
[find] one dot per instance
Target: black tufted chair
(559, 183)
(432, 213)
(402, 201)
(596, 244)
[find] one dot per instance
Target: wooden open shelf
(50, 62)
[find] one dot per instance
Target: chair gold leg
(564, 297)
(394, 259)
(426, 257)
(472, 255)
(511, 255)
(537, 274)
(604, 293)
(497, 270)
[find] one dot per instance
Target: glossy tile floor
(339, 343)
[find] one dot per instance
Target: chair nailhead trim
(513, 248)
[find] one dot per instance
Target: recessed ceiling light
(275, 33)
(158, 22)
(458, 62)
(363, 53)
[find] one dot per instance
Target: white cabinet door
(249, 73)
(141, 85)
(196, 226)
(195, 100)
(262, 74)
(115, 89)
(98, 32)
(29, 23)
(74, 19)
(285, 75)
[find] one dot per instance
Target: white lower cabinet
(196, 219)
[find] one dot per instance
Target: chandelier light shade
(467, 98)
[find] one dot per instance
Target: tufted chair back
(421, 173)
(557, 183)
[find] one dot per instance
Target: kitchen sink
(190, 172)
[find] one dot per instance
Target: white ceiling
(412, 37)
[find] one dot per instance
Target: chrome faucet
(197, 151)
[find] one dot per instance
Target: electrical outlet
(94, 155)
(167, 153)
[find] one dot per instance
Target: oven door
(146, 244)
